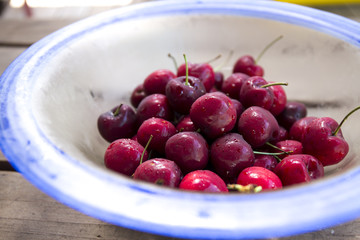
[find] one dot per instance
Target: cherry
(159, 171)
(231, 85)
(253, 94)
(246, 64)
(289, 147)
(119, 122)
(137, 95)
(203, 71)
(292, 112)
(189, 150)
(219, 78)
(259, 176)
(265, 161)
(239, 107)
(185, 125)
(214, 114)
(124, 156)
(258, 126)
(283, 135)
(298, 129)
(280, 99)
(320, 141)
(154, 105)
(160, 129)
(157, 81)
(182, 91)
(204, 181)
(299, 168)
(229, 155)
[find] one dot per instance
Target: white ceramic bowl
(52, 94)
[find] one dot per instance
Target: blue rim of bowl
(323, 204)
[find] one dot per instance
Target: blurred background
(76, 9)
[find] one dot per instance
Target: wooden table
(26, 213)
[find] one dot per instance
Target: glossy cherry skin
(231, 85)
(160, 129)
(189, 150)
(290, 146)
(203, 181)
(154, 105)
(320, 142)
(181, 94)
(298, 129)
(292, 112)
(280, 100)
(253, 94)
(258, 126)
(119, 122)
(185, 125)
(246, 64)
(159, 171)
(259, 176)
(157, 81)
(214, 114)
(265, 161)
(229, 155)
(124, 156)
(299, 168)
(137, 95)
(203, 71)
(219, 78)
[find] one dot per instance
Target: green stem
(187, 72)
(117, 111)
(215, 58)
(342, 122)
(174, 61)
(267, 153)
(267, 47)
(274, 84)
(225, 62)
(146, 146)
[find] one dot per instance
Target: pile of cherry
(197, 130)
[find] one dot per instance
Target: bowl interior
(91, 74)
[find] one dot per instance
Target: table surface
(27, 213)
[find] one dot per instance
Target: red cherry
(298, 129)
(261, 177)
(231, 85)
(253, 94)
(137, 95)
(204, 181)
(154, 105)
(246, 64)
(203, 71)
(157, 81)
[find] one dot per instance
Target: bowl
(52, 94)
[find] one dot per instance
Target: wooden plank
(28, 213)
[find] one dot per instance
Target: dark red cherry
(182, 92)
(265, 161)
(292, 112)
(189, 150)
(137, 95)
(231, 85)
(214, 114)
(299, 168)
(229, 155)
(185, 125)
(258, 126)
(159, 171)
(119, 122)
(319, 140)
(259, 176)
(298, 129)
(246, 64)
(290, 147)
(203, 71)
(280, 99)
(160, 129)
(239, 107)
(154, 105)
(219, 78)
(157, 81)
(203, 181)
(124, 155)
(253, 94)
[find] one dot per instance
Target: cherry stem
(250, 188)
(117, 110)
(342, 122)
(225, 62)
(267, 47)
(277, 148)
(187, 72)
(267, 153)
(274, 84)
(214, 59)
(145, 148)
(174, 61)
